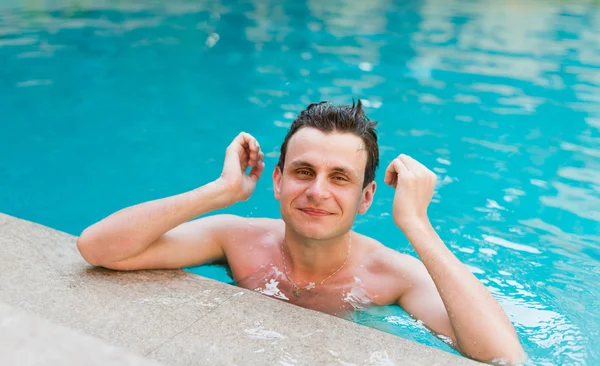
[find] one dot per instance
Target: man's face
(320, 188)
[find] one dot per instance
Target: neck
(311, 260)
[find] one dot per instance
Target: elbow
(511, 357)
(88, 248)
(512, 352)
(514, 355)
(95, 252)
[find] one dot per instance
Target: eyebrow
(339, 169)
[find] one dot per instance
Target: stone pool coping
(61, 310)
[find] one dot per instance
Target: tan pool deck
(57, 310)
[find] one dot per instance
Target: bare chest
(357, 287)
(338, 297)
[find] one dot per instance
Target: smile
(315, 212)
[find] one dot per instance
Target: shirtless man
(311, 257)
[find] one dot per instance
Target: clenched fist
(243, 152)
(414, 185)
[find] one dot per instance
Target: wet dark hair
(327, 117)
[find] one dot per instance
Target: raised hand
(414, 185)
(243, 152)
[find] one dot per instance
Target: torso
(372, 276)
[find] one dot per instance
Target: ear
(277, 181)
(368, 194)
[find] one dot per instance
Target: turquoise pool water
(104, 104)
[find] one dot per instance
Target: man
(311, 258)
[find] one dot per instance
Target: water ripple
(499, 98)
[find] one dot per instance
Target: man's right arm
(158, 234)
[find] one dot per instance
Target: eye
(303, 172)
(340, 178)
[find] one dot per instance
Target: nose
(318, 189)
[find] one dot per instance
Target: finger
(244, 162)
(247, 158)
(401, 170)
(390, 173)
(249, 144)
(242, 139)
(256, 151)
(417, 168)
(238, 144)
(253, 147)
(412, 164)
(257, 170)
(248, 140)
(396, 172)
(247, 149)
(395, 169)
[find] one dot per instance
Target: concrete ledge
(28, 340)
(178, 318)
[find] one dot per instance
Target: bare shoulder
(385, 259)
(397, 270)
(388, 273)
(234, 223)
(251, 225)
(234, 229)
(249, 243)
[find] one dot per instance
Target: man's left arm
(480, 326)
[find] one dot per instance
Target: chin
(314, 234)
(315, 231)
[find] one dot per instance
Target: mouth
(315, 212)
